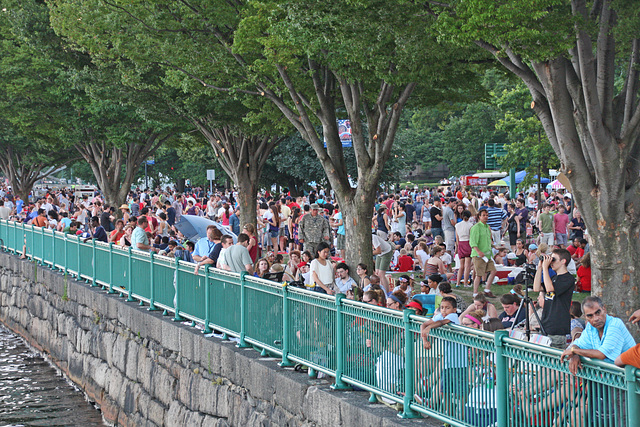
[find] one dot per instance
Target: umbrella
(555, 185)
(504, 182)
(195, 227)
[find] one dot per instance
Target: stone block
(119, 355)
(163, 386)
(170, 337)
(175, 415)
(100, 373)
(260, 380)
(186, 337)
(157, 412)
(132, 360)
(315, 407)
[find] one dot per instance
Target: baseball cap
(533, 247)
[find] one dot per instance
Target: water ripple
(33, 393)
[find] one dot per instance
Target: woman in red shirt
(583, 284)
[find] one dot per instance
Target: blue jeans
(437, 232)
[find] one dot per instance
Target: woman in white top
(421, 254)
(322, 270)
(463, 234)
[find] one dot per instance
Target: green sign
(492, 153)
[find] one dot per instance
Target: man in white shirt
(236, 258)
(4, 211)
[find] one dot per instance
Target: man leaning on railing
(604, 338)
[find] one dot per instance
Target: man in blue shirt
(234, 222)
(204, 246)
(497, 221)
(604, 338)
(19, 205)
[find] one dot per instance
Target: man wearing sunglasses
(556, 317)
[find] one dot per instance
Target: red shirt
(253, 252)
(405, 263)
(584, 276)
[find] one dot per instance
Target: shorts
(382, 234)
(561, 238)
(558, 341)
(341, 243)
(282, 232)
(273, 234)
(496, 237)
(383, 261)
(464, 249)
(481, 268)
(455, 381)
(436, 232)
(547, 238)
(450, 239)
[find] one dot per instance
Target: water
(33, 393)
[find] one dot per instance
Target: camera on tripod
(527, 275)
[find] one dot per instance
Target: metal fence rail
(467, 377)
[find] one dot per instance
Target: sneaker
(489, 294)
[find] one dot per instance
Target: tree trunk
(242, 157)
(356, 215)
(593, 125)
(247, 195)
(372, 139)
(107, 161)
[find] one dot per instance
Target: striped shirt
(496, 216)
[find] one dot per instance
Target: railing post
(42, 246)
(177, 317)
(130, 277)
(409, 367)
(79, 276)
(152, 298)
(286, 327)
(243, 312)
(340, 353)
(207, 304)
(111, 291)
(53, 253)
(24, 240)
(94, 263)
(633, 400)
(66, 247)
(502, 378)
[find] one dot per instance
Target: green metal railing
(467, 377)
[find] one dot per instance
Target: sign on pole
(211, 176)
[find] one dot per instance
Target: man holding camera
(556, 318)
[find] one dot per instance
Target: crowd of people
(439, 239)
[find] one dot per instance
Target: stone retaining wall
(144, 369)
